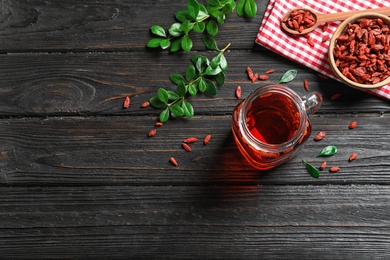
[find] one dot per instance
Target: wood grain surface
(81, 179)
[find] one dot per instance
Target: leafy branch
(198, 77)
(203, 75)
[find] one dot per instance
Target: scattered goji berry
(270, 71)
(352, 157)
(306, 84)
(335, 96)
(352, 125)
(310, 41)
(173, 161)
(263, 77)
(334, 169)
(325, 38)
(206, 140)
(323, 165)
(159, 124)
(152, 132)
(238, 92)
(186, 147)
(320, 136)
(126, 102)
(190, 140)
(255, 77)
(145, 104)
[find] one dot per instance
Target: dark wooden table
(81, 179)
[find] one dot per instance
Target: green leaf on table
(202, 85)
(154, 42)
(328, 150)
(193, 9)
(164, 115)
(229, 7)
(192, 89)
(175, 30)
(214, 2)
(186, 27)
(176, 45)
(220, 78)
(158, 30)
(199, 27)
(240, 7)
(190, 72)
(211, 87)
(182, 16)
(250, 8)
(212, 72)
(186, 43)
(172, 95)
(212, 27)
(176, 110)
(313, 171)
(223, 63)
(210, 43)
(202, 14)
(156, 102)
(288, 76)
(165, 43)
(163, 95)
(215, 62)
(176, 78)
(188, 109)
(182, 89)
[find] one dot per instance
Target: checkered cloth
(271, 35)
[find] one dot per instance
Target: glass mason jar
(271, 125)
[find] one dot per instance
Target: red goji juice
(273, 118)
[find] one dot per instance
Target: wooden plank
(96, 83)
(117, 151)
(102, 25)
(346, 221)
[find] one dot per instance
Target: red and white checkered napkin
(271, 35)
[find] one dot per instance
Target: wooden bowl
(340, 30)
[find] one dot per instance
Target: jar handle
(312, 102)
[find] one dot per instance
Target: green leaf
(216, 61)
(176, 110)
(193, 9)
(229, 7)
(201, 62)
(172, 95)
(210, 43)
(190, 72)
(240, 7)
(220, 78)
(182, 89)
(156, 102)
(158, 30)
(199, 27)
(328, 150)
(202, 14)
(212, 72)
(164, 44)
(223, 62)
(186, 27)
(288, 76)
(313, 171)
(175, 30)
(221, 18)
(176, 45)
(164, 115)
(188, 109)
(212, 27)
(182, 16)
(186, 43)
(176, 78)
(192, 89)
(154, 42)
(250, 8)
(202, 85)
(214, 2)
(211, 87)
(163, 95)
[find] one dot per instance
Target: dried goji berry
(352, 157)
(190, 140)
(206, 140)
(323, 165)
(159, 124)
(186, 147)
(352, 125)
(126, 102)
(152, 132)
(334, 169)
(335, 96)
(270, 71)
(145, 104)
(173, 161)
(306, 84)
(320, 136)
(238, 92)
(263, 77)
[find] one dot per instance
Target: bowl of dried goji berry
(359, 51)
